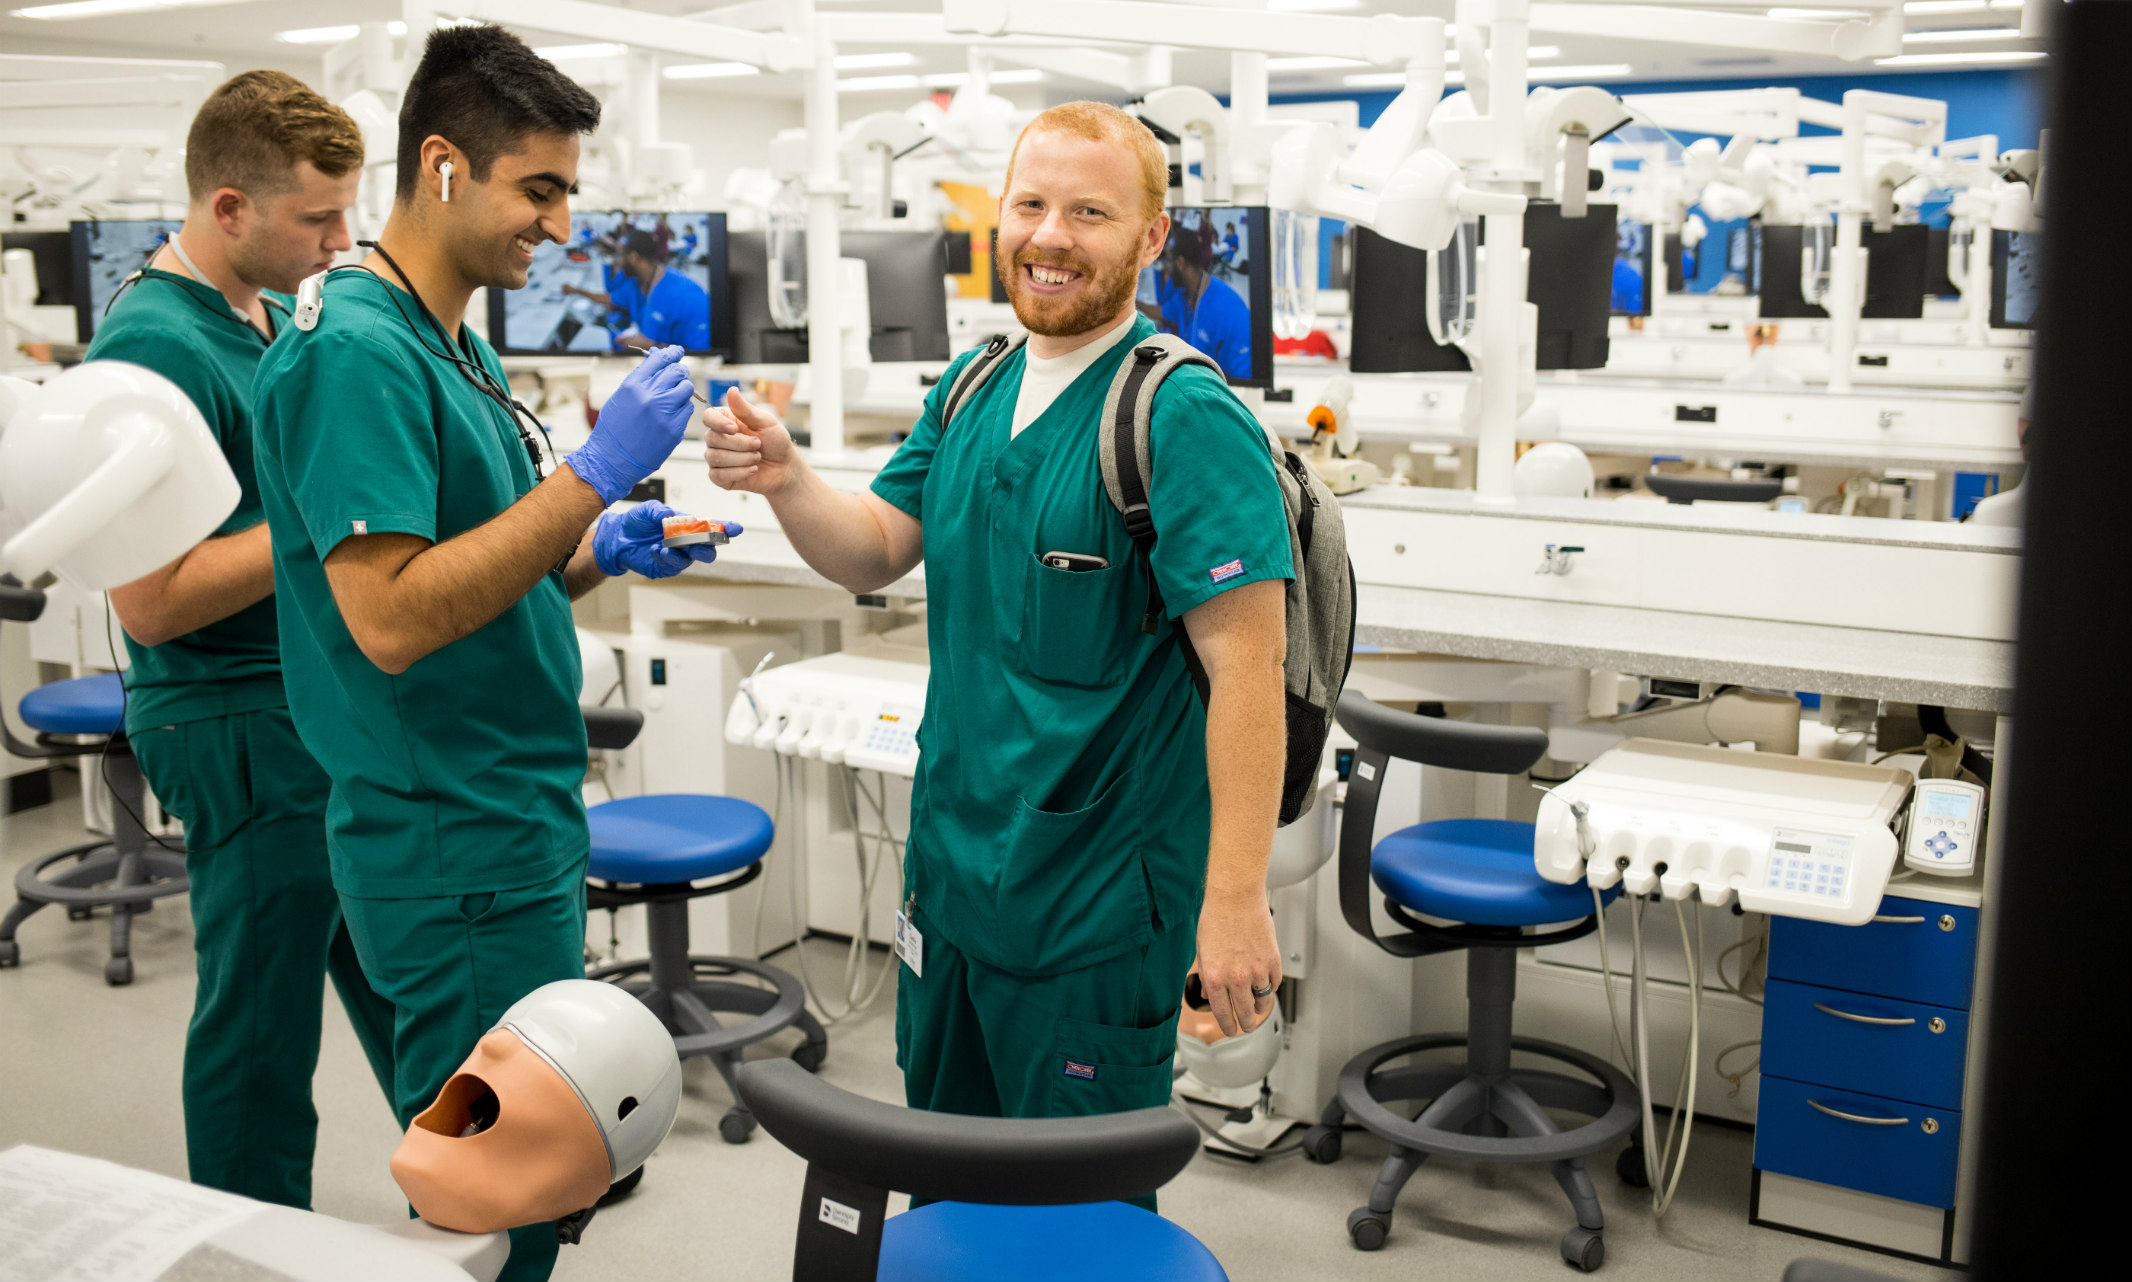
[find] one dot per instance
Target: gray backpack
(1321, 596)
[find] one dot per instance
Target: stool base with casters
(125, 874)
(689, 992)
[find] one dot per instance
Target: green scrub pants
(266, 931)
(451, 966)
(981, 1041)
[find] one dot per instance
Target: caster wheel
(77, 913)
(118, 972)
(1629, 1166)
(809, 1055)
(1321, 1144)
(622, 1188)
(10, 953)
(1368, 1229)
(736, 1126)
(1584, 1249)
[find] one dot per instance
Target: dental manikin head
(570, 1091)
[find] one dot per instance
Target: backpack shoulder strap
(1122, 443)
(979, 369)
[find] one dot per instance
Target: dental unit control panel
(1946, 825)
(1790, 836)
(860, 709)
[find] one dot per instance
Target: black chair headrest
(611, 727)
(1435, 741)
(1711, 489)
(1049, 1161)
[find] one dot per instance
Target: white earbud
(446, 171)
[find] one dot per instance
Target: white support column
(1502, 305)
(1846, 285)
(825, 197)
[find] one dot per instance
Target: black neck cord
(141, 273)
(473, 371)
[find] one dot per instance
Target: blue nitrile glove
(639, 426)
(625, 541)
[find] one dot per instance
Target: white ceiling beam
(1851, 41)
(1384, 39)
(606, 23)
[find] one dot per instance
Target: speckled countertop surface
(1910, 667)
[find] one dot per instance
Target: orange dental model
(685, 531)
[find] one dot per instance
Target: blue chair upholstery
(1477, 871)
(1114, 1241)
(84, 705)
(668, 838)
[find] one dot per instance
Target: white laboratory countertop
(1904, 666)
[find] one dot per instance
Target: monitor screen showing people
(1200, 288)
(1632, 269)
(625, 281)
(2017, 279)
(106, 252)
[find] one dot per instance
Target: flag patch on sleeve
(1225, 572)
(1086, 1072)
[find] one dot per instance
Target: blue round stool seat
(84, 705)
(675, 837)
(1114, 1241)
(1476, 871)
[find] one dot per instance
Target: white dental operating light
(107, 472)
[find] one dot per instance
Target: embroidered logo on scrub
(1224, 573)
(361, 527)
(1086, 1072)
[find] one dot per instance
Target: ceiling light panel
(1963, 35)
(1981, 58)
(74, 10)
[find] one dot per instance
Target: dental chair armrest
(611, 727)
(952, 1158)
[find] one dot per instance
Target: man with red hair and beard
(1081, 826)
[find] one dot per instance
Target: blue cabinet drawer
(1913, 949)
(1857, 1141)
(1880, 1045)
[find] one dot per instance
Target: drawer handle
(1901, 921)
(1853, 1117)
(1862, 1019)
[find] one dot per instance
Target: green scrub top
(1060, 812)
(184, 330)
(460, 775)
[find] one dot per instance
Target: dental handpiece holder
(1789, 836)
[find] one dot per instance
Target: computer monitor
(1898, 265)
(906, 286)
(2016, 278)
(52, 253)
(1569, 278)
(1896, 268)
(1938, 283)
(106, 252)
(1634, 282)
(623, 280)
(1212, 286)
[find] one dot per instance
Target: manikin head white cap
(570, 1091)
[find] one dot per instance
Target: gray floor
(94, 1070)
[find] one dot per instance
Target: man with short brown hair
(270, 168)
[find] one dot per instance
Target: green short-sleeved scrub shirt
(460, 775)
(1060, 812)
(184, 330)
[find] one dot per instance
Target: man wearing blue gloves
(424, 568)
